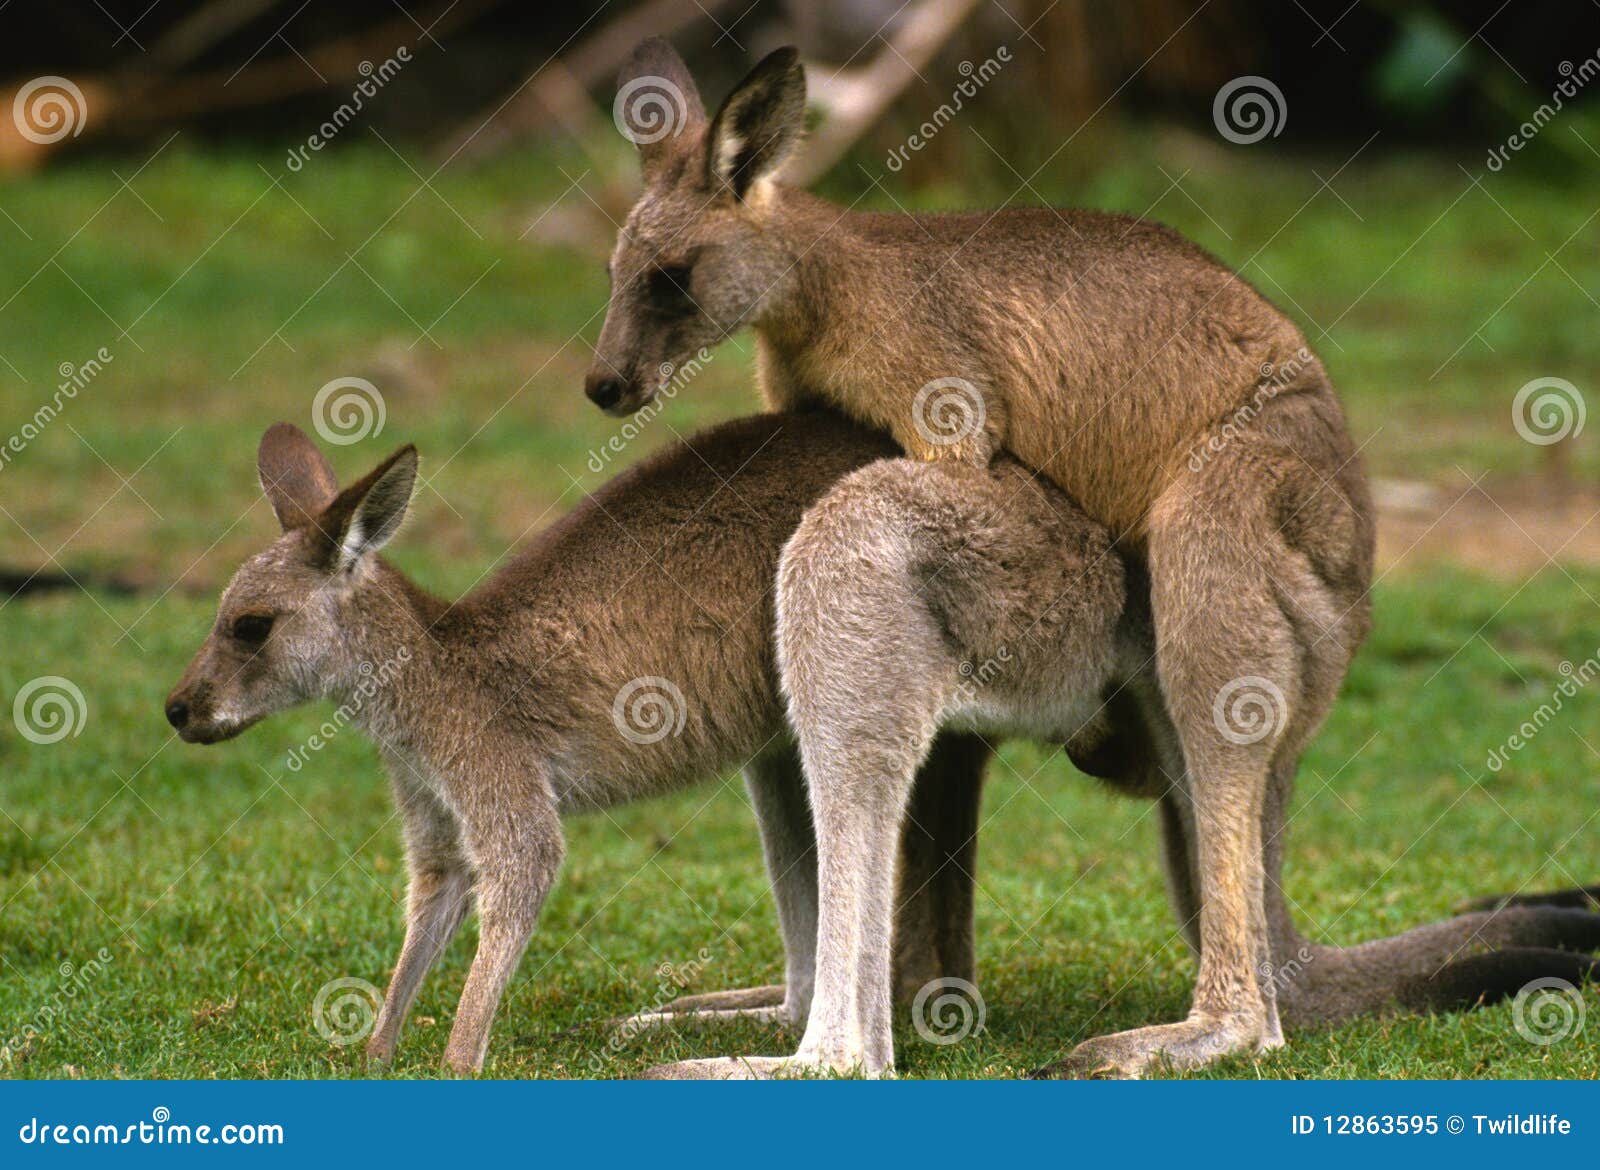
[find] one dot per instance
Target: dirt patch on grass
(1507, 528)
(1502, 527)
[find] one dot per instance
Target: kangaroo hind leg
(933, 929)
(867, 673)
(1253, 635)
(934, 939)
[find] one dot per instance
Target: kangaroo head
(288, 623)
(696, 258)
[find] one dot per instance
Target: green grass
(228, 890)
(226, 898)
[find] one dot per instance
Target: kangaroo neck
(395, 644)
(828, 255)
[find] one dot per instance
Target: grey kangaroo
(625, 653)
(968, 593)
(1113, 357)
(510, 706)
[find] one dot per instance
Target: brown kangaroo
(1158, 389)
(628, 651)
(913, 601)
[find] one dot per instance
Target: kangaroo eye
(669, 286)
(252, 628)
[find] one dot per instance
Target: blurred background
(240, 200)
(387, 220)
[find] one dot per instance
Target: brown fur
(1171, 400)
(914, 599)
(500, 714)
(500, 717)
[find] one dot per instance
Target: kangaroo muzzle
(605, 389)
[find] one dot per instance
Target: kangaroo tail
(1475, 958)
(1464, 984)
(1577, 898)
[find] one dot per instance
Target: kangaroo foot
(736, 999)
(1129, 1055)
(758, 1004)
(381, 1049)
(738, 1068)
(762, 1005)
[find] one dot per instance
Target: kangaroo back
(647, 609)
(1099, 349)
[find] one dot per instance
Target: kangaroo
(625, 653)
(961, 611)
(1109, 355)
(513, 704)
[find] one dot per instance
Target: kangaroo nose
(604, 390)
(177, 713)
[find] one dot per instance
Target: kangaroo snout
(177, 713)
(606, 390)
(189, 712)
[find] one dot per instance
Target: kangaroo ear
(296, 477)
(760, 124)
(366, 514)
(657, 102)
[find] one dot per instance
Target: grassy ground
(226, 892)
